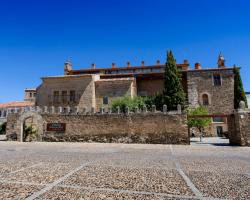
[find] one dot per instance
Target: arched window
(205, 100)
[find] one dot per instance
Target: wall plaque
(56, 127)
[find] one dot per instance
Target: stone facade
(220, 97)
(82, 85)
(92, 86)
(157, 128)
(150, 87)
(113, 89)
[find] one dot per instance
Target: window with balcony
(56, 97)
(64, 96)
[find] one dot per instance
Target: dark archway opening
(3, 128)
(30, 130)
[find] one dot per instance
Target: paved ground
(118, 171)
(208, 141)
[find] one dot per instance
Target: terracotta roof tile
(16, 104)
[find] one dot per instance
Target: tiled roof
(16, 104)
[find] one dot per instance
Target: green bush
(129, 102)
(30, 133)
(156, 100)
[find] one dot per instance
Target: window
(72, 95)
(218, 119)
(217, 79)
(143, 93)
(105, 100)
(205, 100)
(56, 97)
(64, 96)
(30, 94)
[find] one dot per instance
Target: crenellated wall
(145, 127)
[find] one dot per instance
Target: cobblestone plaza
(122, 171)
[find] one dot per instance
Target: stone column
(118, 110)
(153, 108)
(60, 109)
(52, 109)
(165, 109)
(137, 110)
(45, 109)
(144, 109)
(179, 109)
(68, 109)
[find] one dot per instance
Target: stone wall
(239, 128)
(154, 128)
(221, 98)
(157, 128)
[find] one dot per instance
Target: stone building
(97, 87)
(30, 94)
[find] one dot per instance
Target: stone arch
(39, 121)
(204, 95)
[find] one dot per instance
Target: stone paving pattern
(123, 171)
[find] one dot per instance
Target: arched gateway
(36, 119)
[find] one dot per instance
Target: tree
(173, 93)
(239, 94)
(198, 122)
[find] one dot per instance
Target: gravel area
(150, 180)
(70, 193)
(221, 185)
(123, 171)
(42, 174)
(16, 191)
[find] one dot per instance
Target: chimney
(158, 62)
(67, 67)
(93, 66)
(113, 65)
(197, 66)
(186, 65)
(128, 64)
(142, 63)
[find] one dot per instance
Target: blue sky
(37, 36)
